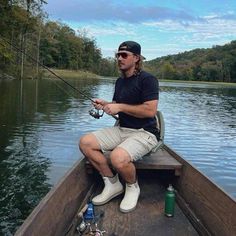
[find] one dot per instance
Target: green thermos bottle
(170, 201)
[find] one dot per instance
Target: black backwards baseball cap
(131, 46)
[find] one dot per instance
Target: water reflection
(201, 126)
(42, 121)
(23, 177)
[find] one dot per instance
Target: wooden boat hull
(210, 210)
(57, 209)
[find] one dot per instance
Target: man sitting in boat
(135, 101)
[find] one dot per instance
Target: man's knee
(119, 158)
(87, 141)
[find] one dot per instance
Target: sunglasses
(124, 55)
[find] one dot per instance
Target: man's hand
(99, 103)
(112, 108)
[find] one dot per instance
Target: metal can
(89, 214)
(170, 201)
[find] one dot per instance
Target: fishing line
(56, 82)
(45, 67)
(93, 113)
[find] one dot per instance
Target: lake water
(42, 121)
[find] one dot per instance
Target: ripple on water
(42, 139)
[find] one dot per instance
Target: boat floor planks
(147, 219)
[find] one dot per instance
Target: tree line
(24, 24)
(216, 64)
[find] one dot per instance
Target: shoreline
(198, 82)
(68, 74)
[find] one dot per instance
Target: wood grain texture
(213, 207)
(148, 218)
(160, 159)
(57, 209)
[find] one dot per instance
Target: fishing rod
(94, 113)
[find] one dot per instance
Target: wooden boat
(202, 208)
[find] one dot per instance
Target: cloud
(196, 31)
(161, 30)
(211, 27)
(230, 15)
(103, 17)
(169, 35)
(102, 10)
(108, 29)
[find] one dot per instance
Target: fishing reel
(95, 113)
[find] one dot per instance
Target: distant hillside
(215, 64)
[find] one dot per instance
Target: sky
(163, 27)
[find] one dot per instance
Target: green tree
(167, 71)
(214, 64)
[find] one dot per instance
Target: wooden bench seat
(159, 160)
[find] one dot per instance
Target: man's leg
(112, 187)
(121, 161)
(136, 144)
(90, 147)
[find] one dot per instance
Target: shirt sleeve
(150, 88)
(115, 92)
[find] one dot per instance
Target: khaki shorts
(137, 142)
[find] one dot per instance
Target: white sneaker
(110, 190)
(130, 199)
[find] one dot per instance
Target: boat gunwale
(213, 208)
(185, 162)
(22, 230)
